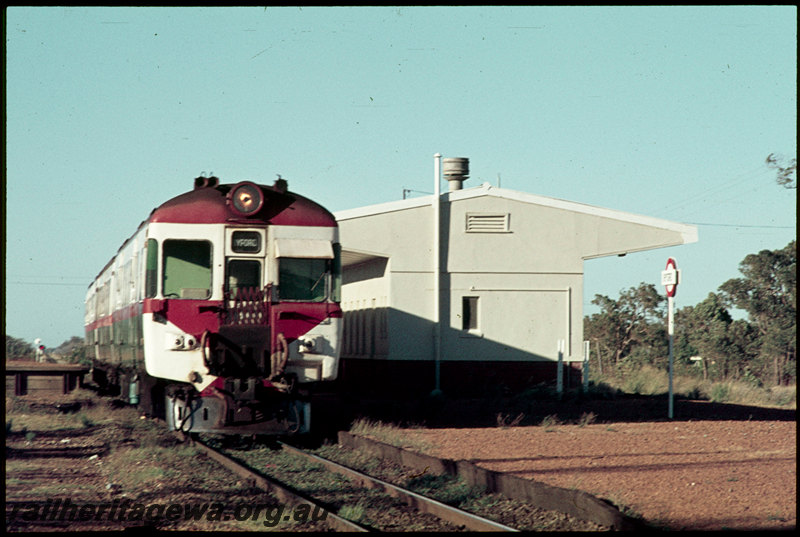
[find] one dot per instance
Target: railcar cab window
(310, 279)
(303, 279)
(187, 269)
(243, 273)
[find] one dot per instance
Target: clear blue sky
(660, 111)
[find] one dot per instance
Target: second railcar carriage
(221, 313)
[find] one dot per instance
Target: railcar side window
(243, 273)
(336, 291)
(303, 279)
(187, 269)
(151, 269)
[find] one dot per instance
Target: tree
(708, 329)
(66, 348)
(683, 347)
(786, 174)
(635, 322)
(72, 350)
(18, 348)
(744, 339)
(768, 293)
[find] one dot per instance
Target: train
(222, 312)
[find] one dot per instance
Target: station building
(509, 294)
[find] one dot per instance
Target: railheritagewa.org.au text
(126, 510)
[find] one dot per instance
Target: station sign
(670, 277)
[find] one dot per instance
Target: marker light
(246, 199)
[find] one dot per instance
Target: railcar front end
(231, 310)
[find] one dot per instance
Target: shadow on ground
(338, 412)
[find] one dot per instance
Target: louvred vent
(487, 223)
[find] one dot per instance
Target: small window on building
(488, 223)
(469, 313)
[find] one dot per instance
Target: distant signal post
(669, 279)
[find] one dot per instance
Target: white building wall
(528, 278)
(365, 304)
(411, 328)
(539, 239)
(520, 317)
(406, 234)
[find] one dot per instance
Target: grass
(448, 489)
(144, 463)
(587, 418)
(31, 415)
(388, 433)
(550, 422)
(504, 420)
(445, 488)
(648, 380)
(616, 499)
(354, 513)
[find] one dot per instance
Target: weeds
(446, 489)
(389, 434)
(720, 393)
(549, 422)
(86, 421)
(504, 421)
(649, 380)
(616, 499)
(354, 513)
(587, 418)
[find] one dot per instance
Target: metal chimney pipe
(456, 171)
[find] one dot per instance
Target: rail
(420, 503)
(272, 486)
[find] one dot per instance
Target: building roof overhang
(688, 233)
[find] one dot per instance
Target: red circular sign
(671, 288)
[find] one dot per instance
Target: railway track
(280, 490)
(376, 504)
(107, 469)
(36, 473)
(423, 504)
(107, 454)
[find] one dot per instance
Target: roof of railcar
(207, 205)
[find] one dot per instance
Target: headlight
(245, 199)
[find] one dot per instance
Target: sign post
(669, 279)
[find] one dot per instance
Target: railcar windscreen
(243, 273)
(303, 279)
(187, 269)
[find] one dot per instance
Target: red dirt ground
(691, 474)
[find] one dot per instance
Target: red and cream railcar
(221, 313)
